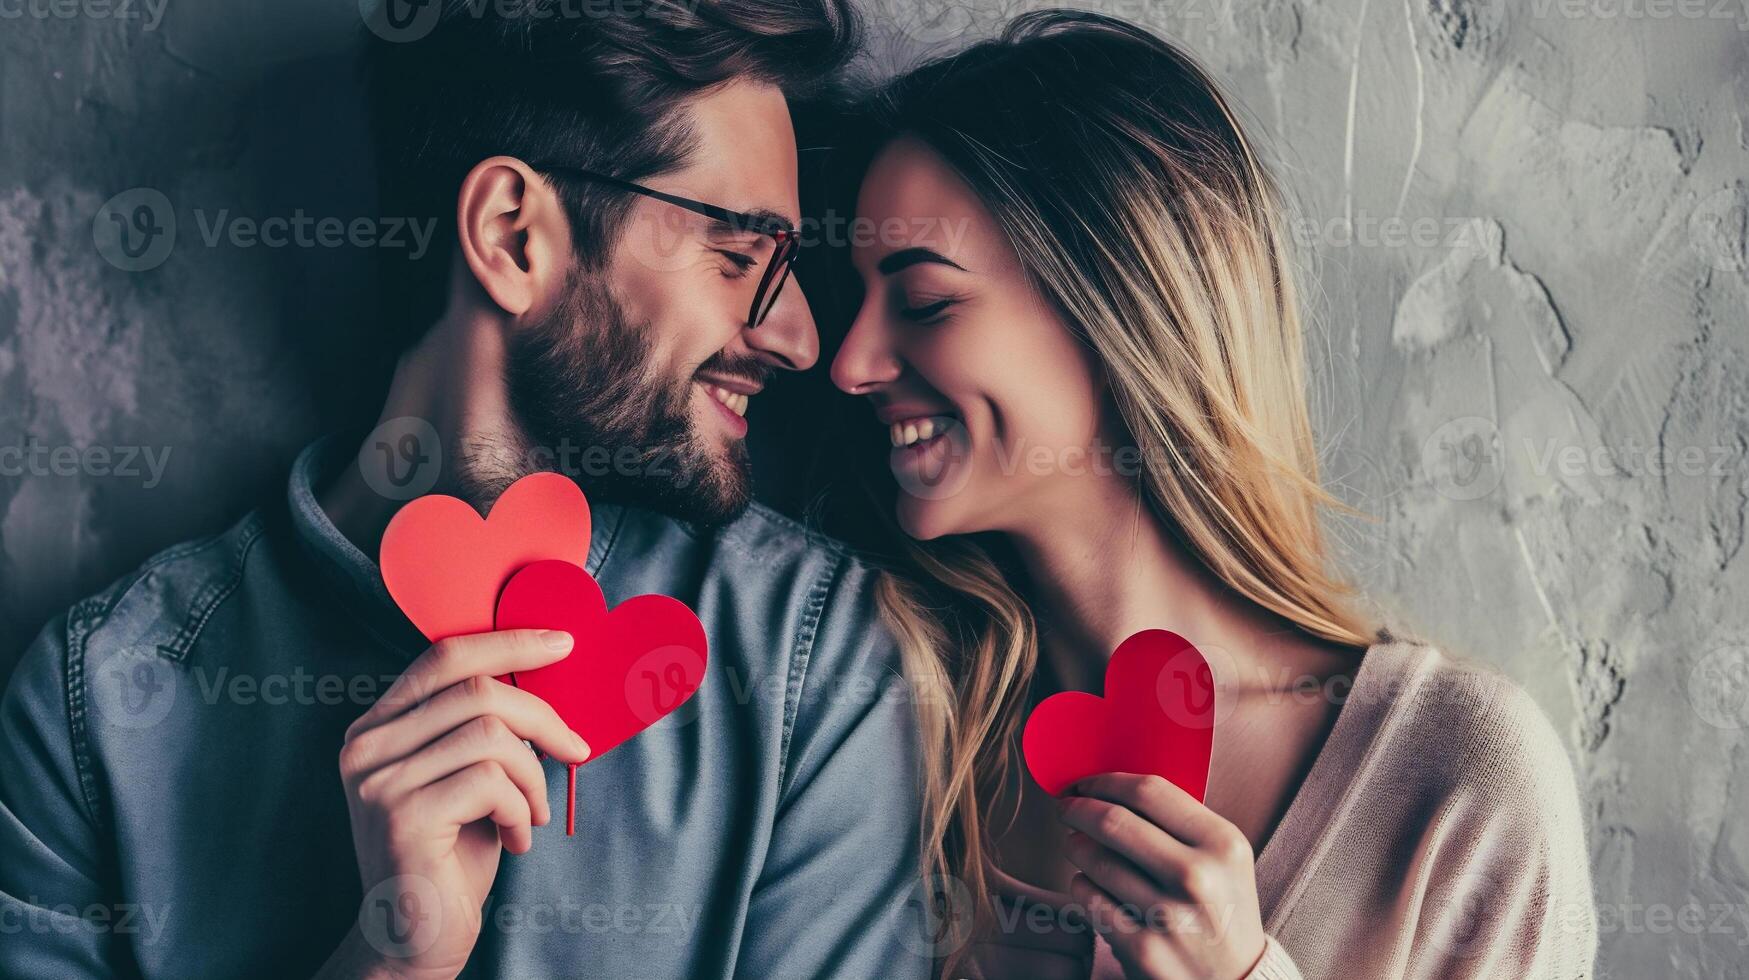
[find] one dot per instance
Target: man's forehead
(744, 150)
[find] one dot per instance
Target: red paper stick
(571, 802)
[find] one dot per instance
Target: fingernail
(582, 748)
(556, 640)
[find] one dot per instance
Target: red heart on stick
(445, 566)
(1157, 716)
(628, 668)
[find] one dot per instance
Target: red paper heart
(1157, 716)
(445, 566)
(627, 669)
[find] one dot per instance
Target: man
(622, 181)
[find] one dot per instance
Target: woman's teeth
(734, 401)
(913, 431)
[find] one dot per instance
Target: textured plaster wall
(1527, 225)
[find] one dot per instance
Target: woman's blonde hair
(1124, 183)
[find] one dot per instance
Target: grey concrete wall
(153, 395)
(1527, 225)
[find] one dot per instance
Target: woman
(1086, 352)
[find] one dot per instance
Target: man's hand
(438, 780)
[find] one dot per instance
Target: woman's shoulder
(1443, 806)
(1443, 793)
(1453, 727)
(1466, 771)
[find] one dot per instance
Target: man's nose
(787, 339)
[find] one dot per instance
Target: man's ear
(513, 233)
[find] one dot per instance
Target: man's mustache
(741, 367)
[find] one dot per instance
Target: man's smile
(729, 398)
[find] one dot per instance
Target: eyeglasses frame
(785, 237)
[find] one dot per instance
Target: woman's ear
(514, 235)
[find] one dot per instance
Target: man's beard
(594, 406)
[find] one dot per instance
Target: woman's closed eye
(925, 311)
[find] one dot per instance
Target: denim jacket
(171, 806)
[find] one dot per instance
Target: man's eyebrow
(906, 258)
(758, 220)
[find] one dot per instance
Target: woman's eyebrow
(906, 258)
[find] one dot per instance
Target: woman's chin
(921, 519)
(926, 520)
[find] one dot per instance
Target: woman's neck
(1106, 568)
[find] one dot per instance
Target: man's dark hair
(594, 83)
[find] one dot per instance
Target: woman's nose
(866, 360)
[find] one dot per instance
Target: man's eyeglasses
(785, 238)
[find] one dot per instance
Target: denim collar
(353, 574)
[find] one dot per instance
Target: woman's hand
(1168, 882)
